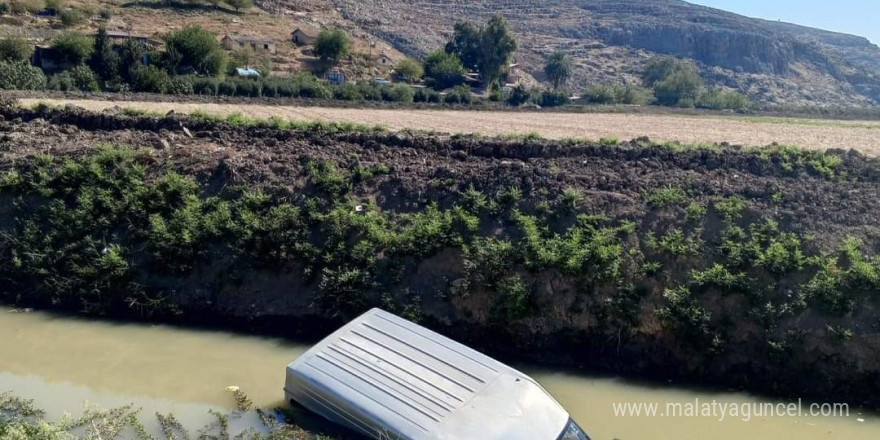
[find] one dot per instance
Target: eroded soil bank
(742, 268)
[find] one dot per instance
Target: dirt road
(806, 133)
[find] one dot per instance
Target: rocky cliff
(611, 40)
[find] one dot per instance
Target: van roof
(415, 381)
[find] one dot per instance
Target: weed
(666, 196)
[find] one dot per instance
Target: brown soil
(812, 134)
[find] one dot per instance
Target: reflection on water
(63, 362)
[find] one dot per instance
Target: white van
(390, 379)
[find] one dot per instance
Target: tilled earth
(614, 178)
(758, 131)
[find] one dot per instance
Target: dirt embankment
(740, 268)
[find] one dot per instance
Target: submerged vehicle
(390, 379)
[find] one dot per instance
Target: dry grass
(815, 134)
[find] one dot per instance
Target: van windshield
(573, 432)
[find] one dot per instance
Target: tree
(332, 44)
(486, 49)
(519, 95)
(466, 44)
(105, 60)
(497, 45)
(410, 68)
(240, 4)
(558, 68)
(675, 82)
(444, 69)
(74, 47)
(197, 49)
(20, 75)
(16, 49)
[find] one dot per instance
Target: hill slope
(611, 39)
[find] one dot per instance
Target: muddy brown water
(63, 362)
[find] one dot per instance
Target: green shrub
(444, 70)
(195, 48)
(614, 94)
(26, 6)
(519, 95)
(554, 98)
(410, 69)
(348, 92)
(73, 17)
(74, 47)
(151, 79)
(14, 48)
(675, 82)
(20, 75)
(719, 277)
(84, 78)
(718, 99)
(667, 196)
(180, 85)
(513, 300)
(205, 86)
(398, 93)
(426, 95)
(332, 44)
(61, 82)
(461, 94)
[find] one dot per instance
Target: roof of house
(307, 30)
(248, 39)
(125, 34)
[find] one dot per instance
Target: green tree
(486, 49)
(240, 5)
(498, 45)
(444, 69)
(54, 5)
(466, 43)
(558, 68)
(332, 44)
(519, 95)
(20, 75)
(83, 78)
(195, 48)
(410, 68)
(74, 47)
(73, 17)
(675, 82)
(105, 60)
(16, 49)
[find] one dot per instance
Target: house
(48, 59)
(122, 37)
(383, 59)
(305, 35)
(257, 44)
(336, 77)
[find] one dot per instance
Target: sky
(857, 17)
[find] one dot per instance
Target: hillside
(611, 39)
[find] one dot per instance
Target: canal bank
(62, 361)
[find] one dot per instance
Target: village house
(257, 44)
(383, 59)
(305, 35)
(122, 37)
